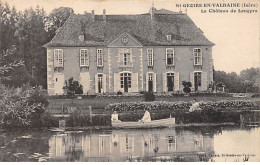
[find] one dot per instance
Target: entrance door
(125, 84)
(59, 83)
(170, 81)
(150, 82)
(197, 80)
(125, 81)
(100, 81)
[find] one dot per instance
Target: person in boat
(146, 117)
(114, 117)
(195, 106)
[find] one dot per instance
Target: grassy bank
(99, 104)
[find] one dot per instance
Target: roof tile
(148, 32)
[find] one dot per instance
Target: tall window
(125, 57)
(125, 81)
(99, 57)
(84, 57)
(150, 82)
(197, 56)
(170, 81)
(169, 56)
(150, 57)
(100, 82)
(197, 80)
(58, 58)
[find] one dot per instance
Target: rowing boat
(169, 122)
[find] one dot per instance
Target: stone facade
(130, 66)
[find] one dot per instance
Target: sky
(236, 35)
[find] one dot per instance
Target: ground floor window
(197, 80)
(150, 82)
(100, 82)
(125, 81)
(170, 82)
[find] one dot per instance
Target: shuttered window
(125, 79)
(84, 57)
(197, 78)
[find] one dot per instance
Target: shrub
(186, 86)
(77, 119)
(14, 108)
(149, 96)
(47, 120)
(73, 87)
(179, 106)
(155, 105)
(119, 93)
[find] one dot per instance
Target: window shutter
(176, 82)
(84, 81)
(192, 81)
(104, 83)
(201, 57)
(62, 57)
(193, 54)
(135, 82)
(173, 60)
(204, 81)
(117, 82)
(55, 57)
(96, 83)
(120, 56)
(131, 56)
(166, 57)
(146, 86)
(154, 82)
(164, 82)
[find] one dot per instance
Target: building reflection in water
(132, 145)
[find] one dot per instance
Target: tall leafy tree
(56, 19)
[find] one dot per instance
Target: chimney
(104, 15)
(152, 10)
(93, 15)
(153, 28)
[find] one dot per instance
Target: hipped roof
(149, 32)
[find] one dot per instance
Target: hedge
(179, 106)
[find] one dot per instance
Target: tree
(56, 19)
(31, 35)
(8, 17)
(231, 80)
(7, 66)
(14, 108)
(250, 79)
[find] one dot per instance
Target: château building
(154, 51)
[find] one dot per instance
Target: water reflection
(191, 144)
(132, 145)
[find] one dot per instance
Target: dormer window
(81, 37)
(169, 37)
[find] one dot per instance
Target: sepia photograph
(129, 81)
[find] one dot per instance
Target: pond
(180, 144)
